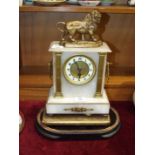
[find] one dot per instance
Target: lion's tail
(61, 26)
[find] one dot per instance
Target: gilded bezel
(81, 83)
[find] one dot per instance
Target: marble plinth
(77, 105)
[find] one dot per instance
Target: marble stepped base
(64, 105)
(79, 132)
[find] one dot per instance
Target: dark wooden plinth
(79, 132)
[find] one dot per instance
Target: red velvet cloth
(32, 143)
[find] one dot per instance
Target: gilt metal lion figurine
(87, 26)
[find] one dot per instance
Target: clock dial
(79, 69)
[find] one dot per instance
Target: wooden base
(79, 132)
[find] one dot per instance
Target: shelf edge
(78, 9)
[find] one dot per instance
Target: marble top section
(56, 47)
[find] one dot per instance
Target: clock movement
(77, 105)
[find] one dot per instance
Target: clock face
(79, 69)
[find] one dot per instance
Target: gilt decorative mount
(81, 33)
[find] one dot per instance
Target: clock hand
(79, 70)
(77, 65)
(79, 73)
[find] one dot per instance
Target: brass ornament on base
(78, 106)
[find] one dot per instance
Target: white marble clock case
(79, 96)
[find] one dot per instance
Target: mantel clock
(77, 105)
